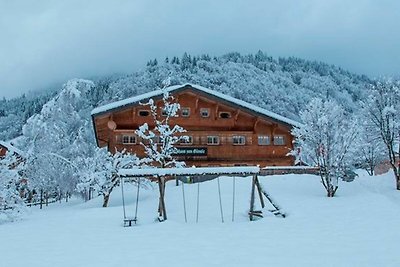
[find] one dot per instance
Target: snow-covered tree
(382, 109)
(12, 205)
(159, 142)
(56, 136)
(371, 150)
(100, 172)
(326, 139)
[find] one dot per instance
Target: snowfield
(358, 227)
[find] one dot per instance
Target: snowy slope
(359, 227)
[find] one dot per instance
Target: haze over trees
(283, 85)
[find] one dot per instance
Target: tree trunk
(41, 198)
(328, 184)
(331, 190)
(161, 206)
(106, 199)
(396, 171)
(398, 182)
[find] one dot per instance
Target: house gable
(203, 113)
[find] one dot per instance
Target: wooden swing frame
(211, 172)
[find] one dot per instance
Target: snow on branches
(159, 142)
(12, 205)
(100, 172)
(382, 111)
(326, 140)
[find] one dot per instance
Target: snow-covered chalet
(222, 130)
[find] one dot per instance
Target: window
(279, 140)
(205, 112)
(128, 139)
(164, 113)
(239, 140)
(185, 112)
(187, 139)
(212, 140)
(224, 115)
(263, 140)
(144, 113)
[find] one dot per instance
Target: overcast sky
(47, 42)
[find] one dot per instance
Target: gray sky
(47, 42)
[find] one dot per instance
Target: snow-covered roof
(289, 168)
(11, 148)
(189, 171)
(136, 99)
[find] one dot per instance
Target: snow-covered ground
(359, 227)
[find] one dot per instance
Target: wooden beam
(237, 115)
(216, 111)
(133, 113)
(260, 195)
(253, 187)
(197, 104)
(256, 123)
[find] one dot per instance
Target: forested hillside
(281, 85)
(54, 130)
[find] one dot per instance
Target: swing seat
(129, 222)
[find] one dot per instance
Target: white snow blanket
(359, 227)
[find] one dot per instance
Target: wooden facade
(223, 131)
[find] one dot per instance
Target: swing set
(203, 173)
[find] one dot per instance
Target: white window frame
(261, 140)
(185, 109)
(214, 140)
(239, 137)
(279, 137)
(128, 139)
(205, 110)
(189, 142)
